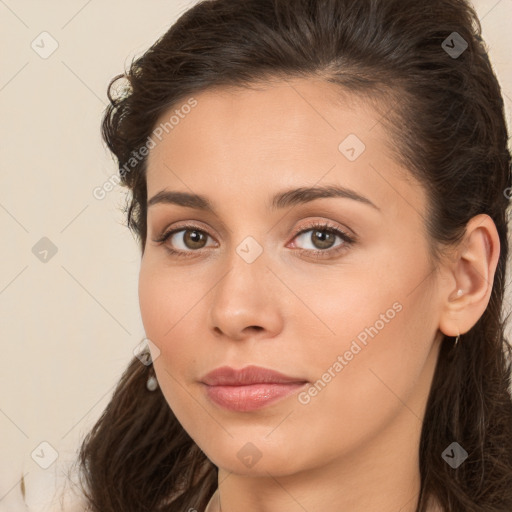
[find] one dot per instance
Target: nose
(246, 301)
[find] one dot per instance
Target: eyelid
(183, 225)
(327, 226)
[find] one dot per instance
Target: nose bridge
(247, 271)
(243, 297)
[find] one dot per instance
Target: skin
(353, 446)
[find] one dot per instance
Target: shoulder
(44, 491)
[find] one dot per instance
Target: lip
(249, 388)
(227, 376)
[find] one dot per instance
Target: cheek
(151, 296)
(377, 328)
(358, 388)
(363, 328)
(173, 314)
(164, 299)
(164, 305)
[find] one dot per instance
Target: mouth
(249, 388)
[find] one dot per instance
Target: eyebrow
(281, 200)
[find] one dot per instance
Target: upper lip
(227, 376)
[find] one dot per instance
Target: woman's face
(349, 311)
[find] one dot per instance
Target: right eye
(191, 240)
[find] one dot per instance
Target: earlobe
(472, 273)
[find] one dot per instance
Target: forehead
(283, 111)
(274, 135)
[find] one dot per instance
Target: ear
(472, 271)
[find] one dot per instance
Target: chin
(253, 455)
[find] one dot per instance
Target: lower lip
(251, 397)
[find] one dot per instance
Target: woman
(320, 192)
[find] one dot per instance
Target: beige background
(69, 326)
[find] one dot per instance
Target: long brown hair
(445, 116)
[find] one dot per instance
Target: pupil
(323, 237)
(194, 237)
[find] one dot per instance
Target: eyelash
(315, 225)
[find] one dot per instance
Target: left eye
(323, 238)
